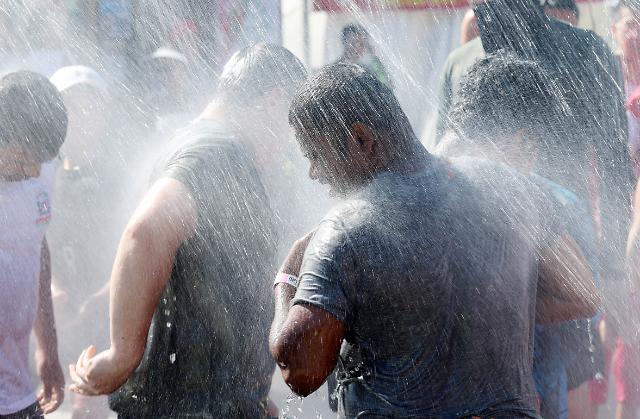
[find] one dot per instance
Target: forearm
(283, 296)
(551, 310)
(566, 289)
(140, 274)
(44, 326)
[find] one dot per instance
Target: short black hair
(352, 30)
(340, 95)
(503, 93)
(32, 113)
(254, 70)
(564, 5)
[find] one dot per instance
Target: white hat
(168, 53)
(73, 75)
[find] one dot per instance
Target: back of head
(352, 31)
(515, 25)
(569, 5)
(340, 95)
(503, 94)
(32, 113)
(255, 70)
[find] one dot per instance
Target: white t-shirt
(25, 211)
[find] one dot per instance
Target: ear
(363, 138)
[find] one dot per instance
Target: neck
(350, 56)
(220, 112)
(414, 160)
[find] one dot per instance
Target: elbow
(139, 232)
(592, 305)
(552, 311)
(299, 382)
(300, 378)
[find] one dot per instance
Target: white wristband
(283, 278)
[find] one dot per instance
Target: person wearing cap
(33, 125)
(168, 90)
(90, 191)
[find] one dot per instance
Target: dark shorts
(31, 412)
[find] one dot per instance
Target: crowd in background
(549, 100)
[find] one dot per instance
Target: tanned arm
(566, 290)
(142, 268)
(304, 340)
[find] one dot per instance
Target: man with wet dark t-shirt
(424, 285)
(189, 302)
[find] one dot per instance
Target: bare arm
(48, 364)
(304, 340)
(142, 268)
(633, 241)
(566, 290)
(307, 346)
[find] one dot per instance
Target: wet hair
(563, 5)
(32, 113)
(351, 31)
(502, 94)
(253, 71)
(617, 5)
(340, 95)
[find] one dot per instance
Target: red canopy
(339, 5)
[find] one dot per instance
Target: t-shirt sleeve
(186, 166)
(216, 172)
(326, 266)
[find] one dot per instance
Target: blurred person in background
(33, 125)
(392, 284)
(89, 191)
(627, 364)
(592, 158)
(469, 27)
(168, 91)
(505, 110)
(618, 329)
(564, 10)
(358, 49)
(189, 304)
(625, 27)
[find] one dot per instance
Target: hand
(98, 374)
(50, 372)
(293, 261)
